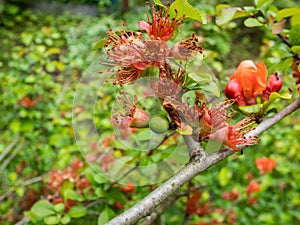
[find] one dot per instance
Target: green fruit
(159, 124)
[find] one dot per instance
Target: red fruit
(233, 90)
(274, 83)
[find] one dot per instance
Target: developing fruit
(159, 124)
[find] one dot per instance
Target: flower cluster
(133, 54)
(59, 177)
(250, 81)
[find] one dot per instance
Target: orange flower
(231, 195)
(252, 78)
(252, 187)
(265, 164)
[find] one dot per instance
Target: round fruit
(159, 124)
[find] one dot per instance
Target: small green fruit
(159, 124)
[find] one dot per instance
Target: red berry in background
(118, 205)
(274, 83)
(231, 195)
(233, 90)
(128, 188)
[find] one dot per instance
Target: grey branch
(9, 148)
(146, 206)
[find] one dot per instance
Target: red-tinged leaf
(278, 27)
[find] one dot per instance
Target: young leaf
(51, 220)
(251, 109)
(224, 176)
(251, 22)
(99, 44)
(225, 15)
(274, 96)
(71, 194)
(185, 8)
(287, 12)
(295, 35)
(105, 215)
(42, 209)
(159, 3)
(77, 211)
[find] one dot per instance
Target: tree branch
(150, 202)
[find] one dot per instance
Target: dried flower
(186, 48)
(234, 135)
(132, 117)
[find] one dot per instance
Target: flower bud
(139, 119)
(274, 83)
(234, 91)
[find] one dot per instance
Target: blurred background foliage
(44, 54)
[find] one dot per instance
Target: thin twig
(23, 221)
(15, 152)
(25, 183)
(9, 147)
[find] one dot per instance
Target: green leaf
(212, 88)
(105, 215)
(295, 20)
(15, 126)
(42, 209)
(52, 220)
(73, 195)
(99, 44)
(252, 22)
(294, 35)
(224, 176)
(60, 207)
(66, 185)
(159, 3)
(287, 12)
(296, 49)
(225, 15)
(251, 109)
(185, 8)
(26, 38)
(65, 220)
(264, 4)
(94, 177)
(50, 67)
(77, 211)
(274, 96)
